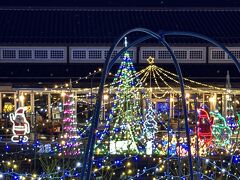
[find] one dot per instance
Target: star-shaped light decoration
(150, 60)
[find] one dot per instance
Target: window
(57, 106)
(196, 55)
(7, 103)
(181, 54)
(113, 54)
(7, 108)
(25, 54)
(79, 54)
(164, 55)
(40, 54)
(217, 54)
(41, 106)
(95, 54)
(146, 54)
(236, 54)
(56, 54)
(25, 99)
(83, 109)
(237, 104)
(219, 105)
(9, 54)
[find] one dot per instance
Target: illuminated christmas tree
(125, 118)
(124, 122)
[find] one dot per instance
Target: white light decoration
(150, 129)
(21, 126)
(78, 164)
(21, 98)
(207, 161)
(223, 170)
(46, 148)
(105, 97)
(187, 95)
(117, 147)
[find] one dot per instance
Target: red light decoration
(204, 126)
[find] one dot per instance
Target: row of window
(26, 54)
(183, 54)
(99, 54)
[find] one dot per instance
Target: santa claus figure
(204, 126)
(21, 126)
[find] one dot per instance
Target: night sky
(117, 3)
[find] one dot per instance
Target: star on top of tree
(150, 60)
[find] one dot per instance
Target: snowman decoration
(21, 126)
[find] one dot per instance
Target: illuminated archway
(87, 165)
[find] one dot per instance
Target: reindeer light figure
(21, 126)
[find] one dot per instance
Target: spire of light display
(70, 135)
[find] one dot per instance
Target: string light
(104, 162)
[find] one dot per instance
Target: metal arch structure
(88, 155)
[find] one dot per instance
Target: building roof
(122, 3)
(104, 25)
(101, 26)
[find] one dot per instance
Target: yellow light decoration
(21, 98)
(130, 171)
(8, 107)
(150, 60)
(128, 164)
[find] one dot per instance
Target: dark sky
(116, 3)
